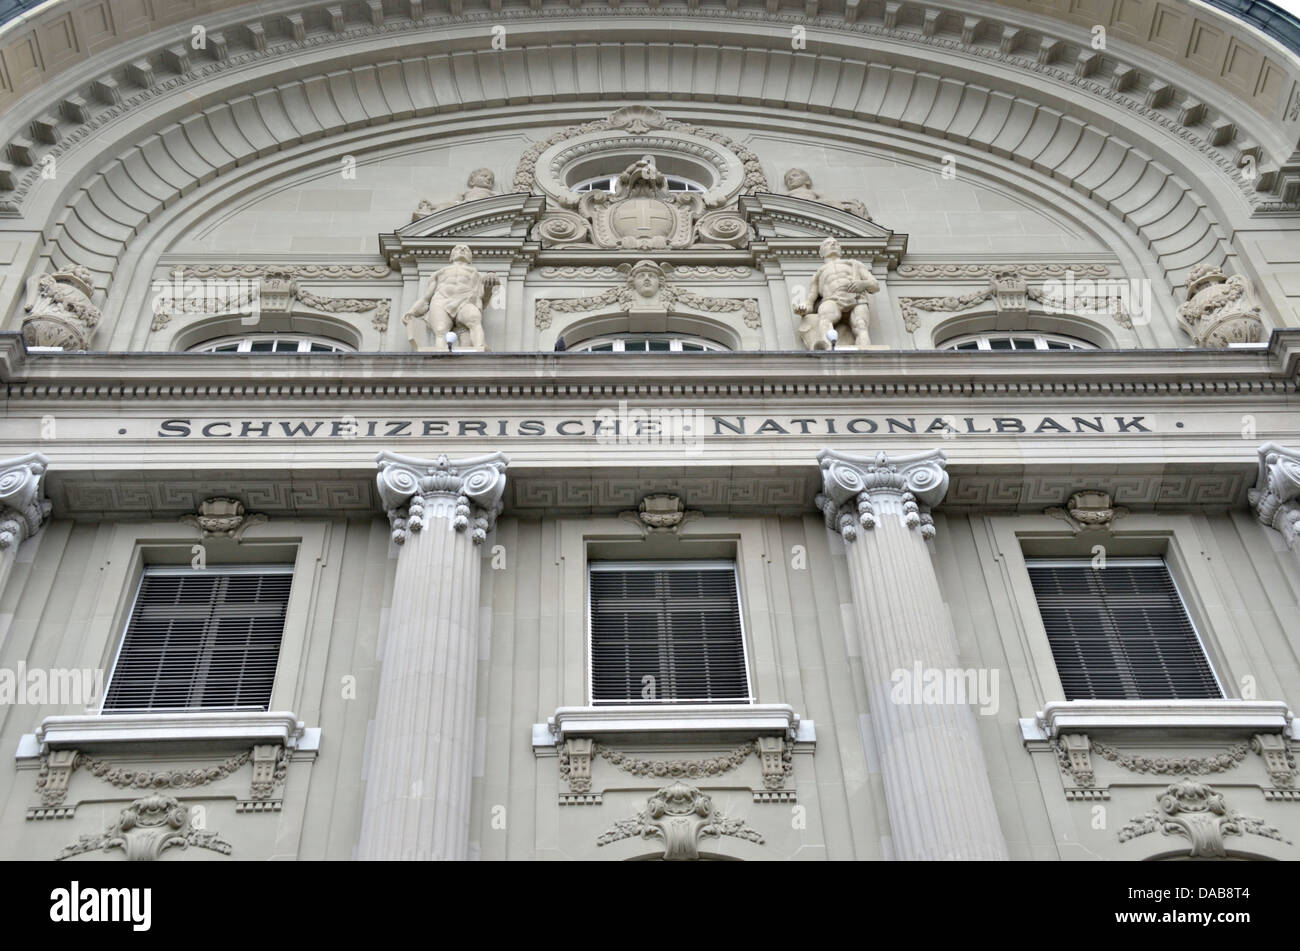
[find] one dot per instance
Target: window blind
(666, 634)
(1121, 632)
(201, 640)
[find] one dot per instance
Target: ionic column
(1276, 496)
(23, 506)
(418, 767)
(936, 781)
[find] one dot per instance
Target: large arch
(305, 85)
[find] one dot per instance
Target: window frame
(1134, 561)
(245, 344)
(651, 564)
(675, 342)
(983, 338)
(161, 569)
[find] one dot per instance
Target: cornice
(177, 377)
(157, 68)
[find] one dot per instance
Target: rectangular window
(1121, 632)
(201, 640)
(666, 632)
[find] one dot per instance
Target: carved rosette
(23, 506)
(145, 829)
(62, 314)
(1218, 310)
(477, 484)
(857, 490)
(1276, 495)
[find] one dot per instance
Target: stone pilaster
(1276, 495)
(23, 506)
(936, 781)
(417, 802)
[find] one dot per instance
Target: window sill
(695, 722)
(1220, 717)
(160, 732)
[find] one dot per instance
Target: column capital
(855, 486)
(1276, 495)
(23, 505)
(476, 483)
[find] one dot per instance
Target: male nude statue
(456, 294)
(839, 287)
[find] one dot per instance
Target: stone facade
(632, 330)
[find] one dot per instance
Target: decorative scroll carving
(23, 505)
(62, 314)
(1198, 813)
(647, 289)
(480, 184)
(1087, 510)
(1219, 310)
(1073, 752)
(575, 763)
(145, 829)
(456, 294)
(270, 769)
(839, 288)
(1277, 756)
(1174, 766)
(477, 484)
(226, 517)
(679, 816)
(55, 773)
(1007, 287)
(1276, 495)
(269, 289)
(853, 486)
(799, 184)
(661, 513)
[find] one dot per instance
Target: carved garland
(1167, 766)
(987, 270)
(685, 272)
(911, 306)
(623, 296)
(678, 769)
(52, 783)
(307, 271)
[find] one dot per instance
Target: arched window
(608, 183)
(1015, 341)
(271, 343)
(647, 343)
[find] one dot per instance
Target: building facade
(850, 429)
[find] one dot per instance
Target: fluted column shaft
(1276, 495)
(936, 780)
(418, 767)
